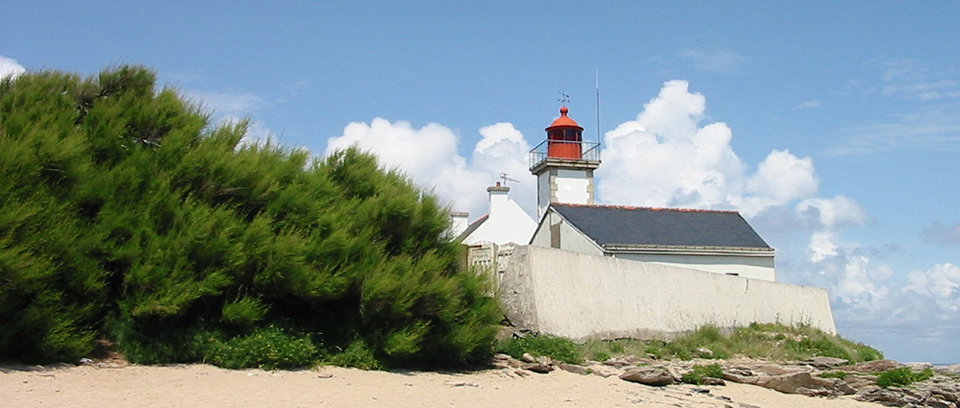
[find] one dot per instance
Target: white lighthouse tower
(564, 165)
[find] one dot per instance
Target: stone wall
(582, 296)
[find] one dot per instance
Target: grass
(700, 372)
(902, 377)
(557, 348)
(767, 341)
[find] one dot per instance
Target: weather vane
(564, 98)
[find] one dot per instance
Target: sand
(207, 386)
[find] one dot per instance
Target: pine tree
(127, 216)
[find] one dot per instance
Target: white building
(711, 241)
(506, 223)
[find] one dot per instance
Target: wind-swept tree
(124, 215)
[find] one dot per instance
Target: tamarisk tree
(126, 216)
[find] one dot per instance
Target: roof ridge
(630, 207)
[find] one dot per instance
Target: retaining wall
(582, 296)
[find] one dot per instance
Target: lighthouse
(564, 164)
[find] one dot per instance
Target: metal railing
(589, 152)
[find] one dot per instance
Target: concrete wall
(583, 296)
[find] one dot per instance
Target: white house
(711, 241)
(506, 222)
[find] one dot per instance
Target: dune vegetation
(129, 218)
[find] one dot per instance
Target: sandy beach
(208, 386)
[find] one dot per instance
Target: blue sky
(834, 127)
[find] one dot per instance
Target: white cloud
(822, 246)
(941, 284)
(664, 157)
(717, 61)
(780, 179)
(429, 156)
(10, 67)
(667, 157)
(839, 211)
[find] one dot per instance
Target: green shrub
(555, 347)
(902, 377)
(268, 348)
(357, 355)
(128, 216)
(700, 372)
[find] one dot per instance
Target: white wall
(506, 223)
(753, 267)
(573, 187)
(581, 296)
(543, 192)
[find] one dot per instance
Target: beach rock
(876, 366)
(656, 377)
(614, 362)
(893, 396)
(805, 384)
(948, 370)
(826, 362)
(712, 381)
(537, 367)
(602, 370)
(778, 369)
(741, 376)
(526, 357)
(573, 368)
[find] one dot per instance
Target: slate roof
(620, 226)
(472, 227)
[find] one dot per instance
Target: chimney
(498, 199)
(458, 222)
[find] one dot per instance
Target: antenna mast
(505, 177)
(598, 107)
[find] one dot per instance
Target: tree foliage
(125, 215)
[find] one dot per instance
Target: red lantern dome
(564, 137)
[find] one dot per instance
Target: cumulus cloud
(10, 67)
(941, 284)
(942, 234)
(429, 156)
(669, 157)
(839, 211)
(664, 158)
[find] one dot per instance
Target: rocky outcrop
(816, 377)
